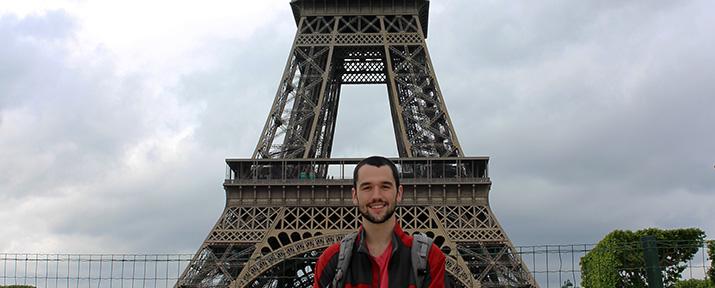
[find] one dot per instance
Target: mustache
(377, 202)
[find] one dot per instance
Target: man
(381, 255)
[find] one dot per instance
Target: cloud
(83, 148)
(585, 108)
(113, 134)
(107, 149)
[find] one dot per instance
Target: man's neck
(378, 236)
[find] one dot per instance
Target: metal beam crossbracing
(286, 203)
(329, 51)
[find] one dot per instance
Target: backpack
(421, 245)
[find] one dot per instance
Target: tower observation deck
(291, 200)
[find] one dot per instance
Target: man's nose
(375, 192)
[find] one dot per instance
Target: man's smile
(377, 205)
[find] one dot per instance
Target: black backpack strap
(346, 251)
(419, 252)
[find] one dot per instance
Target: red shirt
(364, 270)
(381, 262)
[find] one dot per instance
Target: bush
(617, 260)
(711, 255)
(694, 283)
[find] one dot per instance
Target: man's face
(376, 194)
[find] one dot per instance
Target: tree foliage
(711, 255)
(694, 283)
(617, 260)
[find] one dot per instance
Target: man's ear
(355, 202)
(400, 191)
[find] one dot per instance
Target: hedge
(617, 260)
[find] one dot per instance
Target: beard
(376, 219)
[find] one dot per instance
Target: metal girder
(470, 236)
(282, 206)
(276, 222)
(329, 51)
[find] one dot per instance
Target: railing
(554, 265)
(349, 182)
(551, 265)
(92, 270)
(241, 170)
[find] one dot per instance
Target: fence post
(650, 254)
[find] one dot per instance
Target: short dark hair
(377, 161)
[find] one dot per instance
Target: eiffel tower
(291, 200)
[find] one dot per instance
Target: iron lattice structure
(291, 200)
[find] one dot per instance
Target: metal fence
(92, 270)
(551, 265)
(556, 265)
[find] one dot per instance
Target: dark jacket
(363, 271)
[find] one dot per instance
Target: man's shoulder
(326, 265)
(332, 249)
(435, 256)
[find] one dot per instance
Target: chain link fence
(552, 266)
(92, 270)
(559, 265)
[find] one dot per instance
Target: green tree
(617, 260)
(711, 255)
(694, 283)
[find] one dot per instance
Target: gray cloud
(597, 116)
(85, 150)
(584, 109)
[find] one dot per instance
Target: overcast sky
(116, 117)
